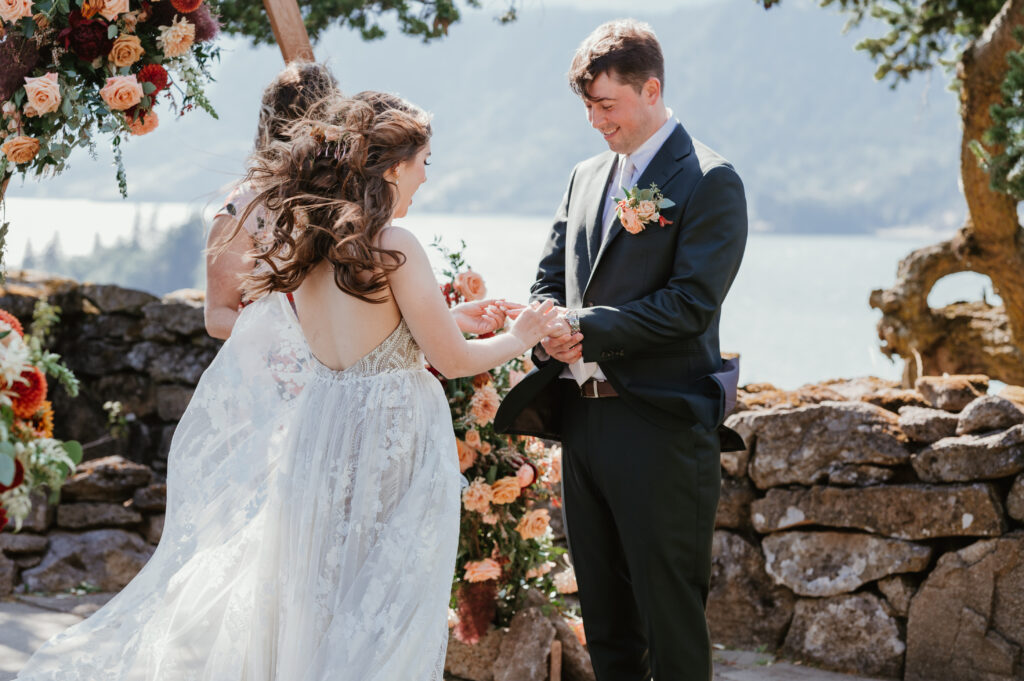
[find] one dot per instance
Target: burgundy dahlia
(87, 38)
(155, 74)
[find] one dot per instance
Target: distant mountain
(821, 146)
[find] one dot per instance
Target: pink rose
(505, 490)
(485, 448)
(12, 10)
(534, 524)
(490, 518)
(647, 210)
(482, 570)
(112, 8)
(473, 438)
(43, 93)
(121, 92)
(631, 221)
(526, 475)
(540, 570)
(554, 472)
(478, 496)
(470, 285)
(565, 582)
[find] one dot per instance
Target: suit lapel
(660, 170)
(587, 246)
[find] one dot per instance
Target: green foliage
(1006, 169)
(428, 19)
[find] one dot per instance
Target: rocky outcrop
(951, 393)
(972, 457)
(923, 424)
(989, 412)
(525, 649)
(105, 559)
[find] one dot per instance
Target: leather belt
(592, 388)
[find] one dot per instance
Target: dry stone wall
(876, 530)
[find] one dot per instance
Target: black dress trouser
(639, 504)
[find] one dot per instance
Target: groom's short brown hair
(626, 47)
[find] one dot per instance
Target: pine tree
(981, 45)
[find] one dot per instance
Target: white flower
(13, 360)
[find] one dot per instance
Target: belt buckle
(593, 384)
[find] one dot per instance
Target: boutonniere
(641, 207)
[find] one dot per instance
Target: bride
(313, 482)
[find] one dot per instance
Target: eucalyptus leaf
(7, 469)
(74, 450)
(112, 31)
(666, 203)
(492, 475)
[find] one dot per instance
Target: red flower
(662, 221)
(19, 477)
(155, 74)
(11, 321)
(186, 6)
(476, 609)
(3, 517)
(28, 398)
(87, 38)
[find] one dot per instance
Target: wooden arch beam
(289, 30)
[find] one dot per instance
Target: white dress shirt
(579, 370)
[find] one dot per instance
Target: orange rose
(176, 39)
(484, 405)
(143, 123)
(480, 380)
(540, 570)
(631, 221)
(526, 475)
(577, 628)
(467, 455)
(482, 570)
(12, 10)
(505, 490)
(121, 92)
(126, 50)
(20, 149)
(534, 524)
(109, 9)
(473, 438)
(43, 93)
(470, 285)
(478, 496)
(485, 448)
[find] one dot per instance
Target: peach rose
(565, 581)
(473, 438)
(467, 455)
(533, 524)
(470, 285)
(126, 50)
(131, 20)
(176, 39)
(485, 448)
(20, 149)
(43, 93)
(482, 570)
(109, 9)
(526, 475)
(484, 405)
(631, 221)
(143, 123)
(121, 92)
(554, 474)
(478, 496)
(540, 570)
(647, 210)
(505, 490)
(12, 10)
(490, 518)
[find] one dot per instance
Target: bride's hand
(535, 322)
(479, 316)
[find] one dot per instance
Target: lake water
(798, 311)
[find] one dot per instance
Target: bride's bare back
(341, 329)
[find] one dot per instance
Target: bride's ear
(393, 173)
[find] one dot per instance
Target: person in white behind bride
(313, 483)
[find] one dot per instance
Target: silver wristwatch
(572, 317)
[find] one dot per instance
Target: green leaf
(7, 466)
(74, 450)
(492, 475)
(148, 88)
(112, 31)
(666, 203)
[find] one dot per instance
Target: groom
(635, 386)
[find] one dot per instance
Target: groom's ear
(650, 92)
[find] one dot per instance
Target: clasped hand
(561, 343)
(480, 317)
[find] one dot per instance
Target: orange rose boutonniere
(641, 207)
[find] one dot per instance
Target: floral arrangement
(30, 457)
(505, 543)
(641, 207)
(70, 69)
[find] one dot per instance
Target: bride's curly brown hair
(326, 195)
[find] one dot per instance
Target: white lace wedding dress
(311, 528)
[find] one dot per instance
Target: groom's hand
(562, 344)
